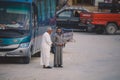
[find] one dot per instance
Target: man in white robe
(45, 48)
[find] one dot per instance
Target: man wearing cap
(45, 48)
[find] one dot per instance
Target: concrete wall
(97, 1)
(70, 2)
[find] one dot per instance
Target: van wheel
(26, 60)
(111, 28)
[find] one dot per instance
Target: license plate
(2, 54)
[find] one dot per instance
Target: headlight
(24, 45)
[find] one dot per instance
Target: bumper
(20, 52)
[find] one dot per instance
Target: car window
(65, 14)
(76, 13)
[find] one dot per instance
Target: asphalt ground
(88, 57)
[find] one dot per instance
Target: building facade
(87, 2)
(61, 3)
(90, 2)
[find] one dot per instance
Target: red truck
(101, 22)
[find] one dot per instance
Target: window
(15, 15)
(65, 14)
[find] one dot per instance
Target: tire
(26, 60)
(1, 60)
(89, 29)
(111, 28)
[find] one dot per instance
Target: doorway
(86, 2)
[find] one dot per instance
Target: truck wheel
(111, 28)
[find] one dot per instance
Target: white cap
(49, 28)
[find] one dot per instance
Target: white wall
(97, 1)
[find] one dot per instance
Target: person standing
(77, 14)
(45, 48)
(58, 42)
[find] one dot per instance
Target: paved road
(88, 57)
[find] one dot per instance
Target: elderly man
(45, 48)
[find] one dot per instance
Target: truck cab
(103, 22)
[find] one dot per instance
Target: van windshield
(14, 16)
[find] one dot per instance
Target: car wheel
(111, 28)
(89, 29)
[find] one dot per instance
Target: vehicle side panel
(104, 18)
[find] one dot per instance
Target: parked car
(69, 17)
